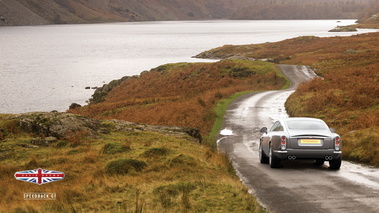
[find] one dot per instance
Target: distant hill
(370, 19)
(34, 12)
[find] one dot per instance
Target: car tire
(335, 164)
(273, 160)
(262, 156)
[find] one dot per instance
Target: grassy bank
(122, 171)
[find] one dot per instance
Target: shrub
(9, 127)
(76, 137)
(61, 144)
(218, 95)
(156, 152)
(109, 125)
(123, 166)
(113, 148)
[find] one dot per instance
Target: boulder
(74, 106)
(57, 124)
(101, 92)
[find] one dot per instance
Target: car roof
(300, 119)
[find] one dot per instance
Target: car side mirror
(264, 130)
(332, 130)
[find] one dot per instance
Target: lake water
(44, 68)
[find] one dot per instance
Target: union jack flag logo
(39, 176)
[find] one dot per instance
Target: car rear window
(306, 125)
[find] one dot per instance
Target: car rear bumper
(307, 153)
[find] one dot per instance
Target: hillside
(303, 9)
(370, 18)
(35, 12)
(183, 94)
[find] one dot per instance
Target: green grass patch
(220, 110)
(223, 104)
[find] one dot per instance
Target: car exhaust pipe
(291, 157)
(328, 157)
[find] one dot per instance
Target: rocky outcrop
(53, 126)
(57, 124)
(343, 29)
(101, 92)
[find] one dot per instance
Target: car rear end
(309, 139)
(313, 146)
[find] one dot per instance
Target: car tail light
(337, 143)
(283, 140)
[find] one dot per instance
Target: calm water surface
(44, 68)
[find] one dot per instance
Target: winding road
(299, 186)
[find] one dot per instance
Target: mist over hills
(35, 12)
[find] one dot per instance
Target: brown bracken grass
(183, 94)
(347, 93)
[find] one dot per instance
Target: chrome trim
(337, 152)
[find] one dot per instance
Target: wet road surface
(299, 186)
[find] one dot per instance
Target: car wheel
(335, 164)
(262, 157)
(319, 162)
(273, 161)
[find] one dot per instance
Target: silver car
(300, 138)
